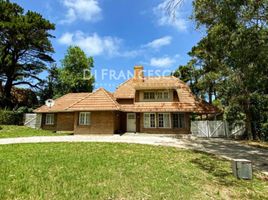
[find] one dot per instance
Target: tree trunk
(210, 93)
(7, 97)
(248, 126)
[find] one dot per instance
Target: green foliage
(232, 59)
(8, 117)
(25, 48)
(51, 86)
(71, 74)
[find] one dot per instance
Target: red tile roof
(104, 100)
(197, 107)
(98, 100)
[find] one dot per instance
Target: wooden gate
(32, 120)
(209, 129)
(216, 129)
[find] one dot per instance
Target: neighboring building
(161, 105)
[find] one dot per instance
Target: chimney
(138, 73)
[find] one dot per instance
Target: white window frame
(164, 125)
(167, 97)
(50, 118)
(149, 95)
(156, 95)
(82, 120)
(148, 124)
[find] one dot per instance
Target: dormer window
(166, 95)
(149, 95)
(157, 95)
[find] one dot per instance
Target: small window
(178, 120)
(159, 95)
(164, 120)
(165, 95)
(149, 120)
(148, 95)
(84, 118)
(49, 119)
(152, 95)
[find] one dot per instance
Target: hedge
(8, 117)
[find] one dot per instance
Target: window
(49, 119)
(178, 120)
(152, 95)
(164, 120)
(166, 96)
(84, 118)
(149, 120)
(159, 95)
(148, 95)
(156, 95)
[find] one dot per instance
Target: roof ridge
(53, 100)
(79, 100)
(124, 82)
(109, 96)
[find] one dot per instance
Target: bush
(264, 131)
(8, 117)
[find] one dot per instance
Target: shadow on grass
(217, 168)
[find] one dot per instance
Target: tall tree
(75, 73)
(25, 48)
(233, 57)
(51, 86)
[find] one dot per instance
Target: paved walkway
(224, 148)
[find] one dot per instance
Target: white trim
(156, 92)
(128, 127)
(50, 119)
(155, 121)
(86, 120)
(169, 127)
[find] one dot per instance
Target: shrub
(8, 117)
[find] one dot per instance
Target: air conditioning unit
(242, 169)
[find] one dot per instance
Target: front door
(131, 122)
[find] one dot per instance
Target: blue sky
(120, 34)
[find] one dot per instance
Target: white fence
(32, 120)
(215, 129)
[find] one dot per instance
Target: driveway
(225, 148)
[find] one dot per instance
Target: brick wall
(49, 127)
(62, 122)
(102, 122)
(65, 121)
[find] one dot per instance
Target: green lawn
(22, 131)
(118, 171)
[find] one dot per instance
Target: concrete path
(224, 148)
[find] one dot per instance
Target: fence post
(208, 129)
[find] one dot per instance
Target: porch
(171, 123)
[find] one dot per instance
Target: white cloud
(163, 62)
(87, 10)
(164, 19)
(93, 44)
(160, 42)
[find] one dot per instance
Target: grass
(22, 131)
(258, 144)
(118, 171)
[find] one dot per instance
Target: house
(160, 105)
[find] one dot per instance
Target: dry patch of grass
(258, 144)
(118, 171)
